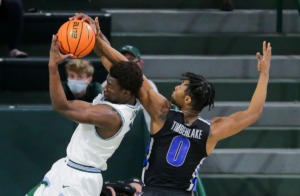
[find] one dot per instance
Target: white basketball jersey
(88, 148)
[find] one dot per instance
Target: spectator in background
(12, 12)
(79, 85)
(133, 54)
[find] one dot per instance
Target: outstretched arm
(102, 48)
(156, 105)
(223, 127)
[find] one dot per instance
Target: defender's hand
(263, 64)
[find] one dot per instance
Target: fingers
(55, 45)
(77, 16)
(258, 61)
(97, 23)
(258, 56)
(54, 41)
(269, 49)
(263, 61)
(54, 38)
(82, 17)
(264, 47)
(65, 56)
(85, 18)
(97, 26)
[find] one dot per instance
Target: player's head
(123, 82)
(195, 91)
(79, 75)
(132, 54)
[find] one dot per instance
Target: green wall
(32, 138)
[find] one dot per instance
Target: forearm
(57, 94)
(110, 53)
(247, 117)
(259, 97)
(102, 36)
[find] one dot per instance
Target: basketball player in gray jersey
(180, 139)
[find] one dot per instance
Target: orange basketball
(77, 38)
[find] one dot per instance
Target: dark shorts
(159, 191)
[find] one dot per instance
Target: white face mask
(77, 86)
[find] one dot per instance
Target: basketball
(76, 37)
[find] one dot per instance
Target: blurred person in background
(12, 12)
(79, 85)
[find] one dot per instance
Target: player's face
(112, 90)
(179, 94)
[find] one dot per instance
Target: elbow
(58, 107)
(256, 115)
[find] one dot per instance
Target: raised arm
(102, 48)
(78, 111)
(223, 127)
(107, 54)
(155, 104)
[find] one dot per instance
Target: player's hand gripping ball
(76, 37)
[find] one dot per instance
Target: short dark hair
(129, 76)
(200, 90)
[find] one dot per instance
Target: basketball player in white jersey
(102, 126)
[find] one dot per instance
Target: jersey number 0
(178, 150)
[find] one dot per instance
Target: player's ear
(125, 93)
(187, 99)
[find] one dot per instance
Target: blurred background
(215, 38)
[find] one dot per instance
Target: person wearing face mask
(79, 85)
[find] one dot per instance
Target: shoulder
(153, 85)
(205, 121)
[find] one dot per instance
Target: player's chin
(106, 97)
(172, 96)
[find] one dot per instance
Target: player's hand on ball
(85, 18)
(56, 57)
(76, 37)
